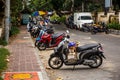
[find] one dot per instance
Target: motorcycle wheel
(36, 43)
(55, 62)
(41, 46)
(93, 32)
(97, 61)
(107, 32)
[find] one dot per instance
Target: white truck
(82, 18)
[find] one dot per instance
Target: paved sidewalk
(24, 61)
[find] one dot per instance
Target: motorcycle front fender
(57, 55)
(102, 55)
(53, 55)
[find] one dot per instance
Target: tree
(58, 6)
(116, 5)
(36, 5)
(16, 8)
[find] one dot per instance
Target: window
(85, 18)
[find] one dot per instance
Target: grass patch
(3, 56)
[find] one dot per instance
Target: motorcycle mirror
(67, 31)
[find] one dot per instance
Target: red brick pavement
(24, 61)
(23, 56)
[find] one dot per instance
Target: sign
(108, 3)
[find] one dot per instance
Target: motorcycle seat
(86, 47)
(56, 35)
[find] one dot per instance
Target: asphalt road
(110, 69)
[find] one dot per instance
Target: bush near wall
(114, 25)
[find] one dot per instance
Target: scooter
(40, 33)
(50, 40)
(89, 54)
(100, 28)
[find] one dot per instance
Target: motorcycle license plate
(70, 56)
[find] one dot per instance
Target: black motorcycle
(90, 55)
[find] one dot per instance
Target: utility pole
(72, 8)
(7, 20)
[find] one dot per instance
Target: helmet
(71, 44)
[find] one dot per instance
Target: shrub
(3, 42)
(62, 19)
(54, 17)
(14, 30)
(3, 56)
(1, 78)
(114, 25)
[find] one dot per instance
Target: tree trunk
(7, 20)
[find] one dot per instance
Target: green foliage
(56, 17)
(78, 3)
(62, 19)
(14, 30)
(16, 7)
(3, 42)
(57, 4)
(3, 56)
(67, 5)
(14, 20)
(94, 7)
(37, 5)
(1, 78)
(114, 25)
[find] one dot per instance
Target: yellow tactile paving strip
(21, 76)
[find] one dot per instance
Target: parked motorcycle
(101, 27)
(55, 22)
(41, 32)
(50, 40)
(69, 53)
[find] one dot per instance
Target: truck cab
(82, 18)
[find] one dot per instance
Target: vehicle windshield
(86, 18)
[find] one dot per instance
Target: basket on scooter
(72, 55)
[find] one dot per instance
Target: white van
(82, 18)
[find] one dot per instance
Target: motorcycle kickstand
(74, 67)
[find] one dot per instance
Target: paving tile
(23, 57)
(23, 64)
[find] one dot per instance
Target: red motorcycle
(50, 40)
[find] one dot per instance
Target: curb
(44, 75)
(116, 32)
